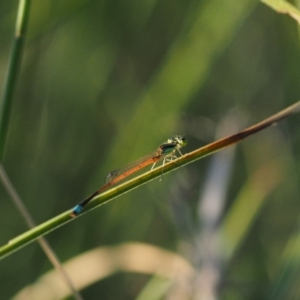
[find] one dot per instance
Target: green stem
(105, 197)
(13, 71)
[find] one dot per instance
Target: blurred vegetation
(105, 82)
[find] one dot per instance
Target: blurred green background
(105, 82)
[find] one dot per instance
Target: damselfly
(166, 151)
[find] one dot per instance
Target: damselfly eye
(171, 140)
(181, 140)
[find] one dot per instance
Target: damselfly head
(179, 140)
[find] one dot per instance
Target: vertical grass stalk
(13, 71)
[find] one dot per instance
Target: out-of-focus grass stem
(13, 71)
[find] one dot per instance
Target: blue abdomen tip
(76, 210)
